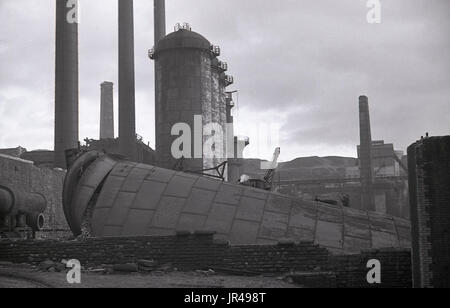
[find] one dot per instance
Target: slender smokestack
(159, 16)
(160, 19)
(66, 80)
(366, 155)
(107, 111)
(127, 113)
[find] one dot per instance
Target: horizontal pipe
(14, 201)
(6, 200)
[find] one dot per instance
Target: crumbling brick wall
(351, 270)
(24, 175)
(200, 251)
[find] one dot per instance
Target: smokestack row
(366, 155)
(66, 80)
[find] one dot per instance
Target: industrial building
(118, 188)
(376, 181)
(386, 161)
(190, 84)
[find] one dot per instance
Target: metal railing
(215, 50)
(183, 26)
(151, 53)
(223, 66)
(229, 80)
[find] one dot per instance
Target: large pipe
(160, 19)
(6, 201)
(66, 80)
(366, 155)
(127, 112)
(107, 111)
(14, 202)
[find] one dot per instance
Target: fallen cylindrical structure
(106, 196)
(27, 207)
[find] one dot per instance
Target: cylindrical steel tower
(190, 84)
(183, 90)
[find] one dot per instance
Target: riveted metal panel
(139, 200)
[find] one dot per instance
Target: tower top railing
(182, 26)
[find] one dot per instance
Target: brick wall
(351, 270)
(24, 175)
(200, 251)
(429, 165)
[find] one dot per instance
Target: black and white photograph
(225, 150)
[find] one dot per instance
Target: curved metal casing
(131, 199)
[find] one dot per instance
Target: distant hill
(304, 168)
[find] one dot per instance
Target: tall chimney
(66, 80)
(127, 113)
(160, 19)
(159, 16)
(107, 111)
(366, 155)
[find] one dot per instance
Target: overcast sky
(300, 65)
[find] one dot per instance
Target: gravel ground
(12, 283)
(28, 277)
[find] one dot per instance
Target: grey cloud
(307, 59)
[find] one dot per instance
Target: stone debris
(51, 266)
(312, 279)
(6, 263)
(166, 268)
(141, 266)
(126, 268)
(207, 273)
(147, 265)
